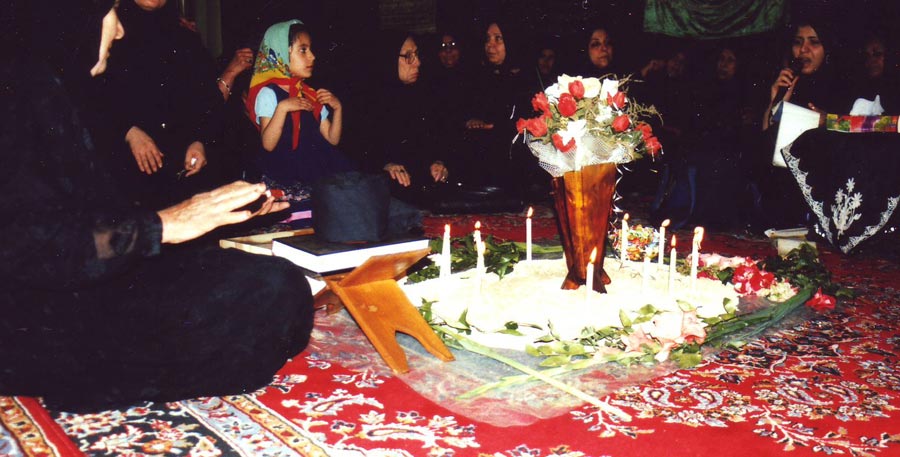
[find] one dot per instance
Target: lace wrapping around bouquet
(583, 202)
(593, 150)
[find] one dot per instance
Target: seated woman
(876, 76)
(404, 139)
(163, 101)
(806, 80)
(716, 143)
(498, 95)
(298, 130)
(100, 309)
(600, 53)
(814, 86)
(546, 68)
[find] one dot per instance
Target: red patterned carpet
(822, 386)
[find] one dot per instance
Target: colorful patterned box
(861, 124)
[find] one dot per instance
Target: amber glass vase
(583, 201)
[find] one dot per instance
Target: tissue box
(861, 124)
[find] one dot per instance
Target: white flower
(553, 92)
(591, 87)
(609, 87)
(604, 114)
(564, 80)
(573, 130)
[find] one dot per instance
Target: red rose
(749, 279)
(536, 126)
(646, 130)
(653, 145)
(821, 302)
(576, 89)
(520, 124)
(616, 101)
(567, 105)
(540, 103)
(621, 123)
(557, 141)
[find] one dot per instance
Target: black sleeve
(61, 226)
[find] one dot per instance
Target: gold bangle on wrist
(227, 87)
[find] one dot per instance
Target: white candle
(477, 234)
(672, 258)
(479, 267)
(645, 272)
(445, 253)
(695, 255)
(528, 234)
(589, 277)
(624, 243)
(662, 244)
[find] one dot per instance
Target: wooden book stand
(371, 294)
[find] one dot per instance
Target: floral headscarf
(272, 67)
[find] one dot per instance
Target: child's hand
(325, 97)
(295, 104)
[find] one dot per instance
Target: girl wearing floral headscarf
(299, 125)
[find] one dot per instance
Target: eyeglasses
(411, 56)
(448, 46)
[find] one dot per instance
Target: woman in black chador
(105, 305)
(164, 107)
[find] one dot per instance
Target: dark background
(344, 30)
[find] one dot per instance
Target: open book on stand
(320, 256)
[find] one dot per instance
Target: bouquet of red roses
(586, 121)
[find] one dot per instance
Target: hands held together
(301, 103)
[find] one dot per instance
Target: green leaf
(624, 319)
(555, 361)
(685, 359)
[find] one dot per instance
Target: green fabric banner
(711, 19)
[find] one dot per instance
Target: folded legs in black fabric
(192, 322)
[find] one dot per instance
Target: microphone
(795, 66)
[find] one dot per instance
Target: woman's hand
(239, 63)
(785, 79)
(398, 173)
(209, 210)
(439, 171)
(653, 66)
(325, 97)
(478, 124)
(194, 158)
(146, 153)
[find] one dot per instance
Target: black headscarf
(159, 24)
(511, 42)
(818, 88)
(386, 54)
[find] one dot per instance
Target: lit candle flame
(594, 255)
(673, 241)
(666, 223)
(447, 229)
(477, 225)
(530, 211)
(698, 236)
(625, 217)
